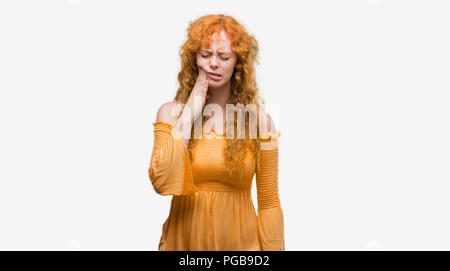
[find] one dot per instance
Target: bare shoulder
(167, 112)
(266, 123)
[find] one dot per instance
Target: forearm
(191, 112)
(170, 170)
(184, 126)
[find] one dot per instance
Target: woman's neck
(219, 96)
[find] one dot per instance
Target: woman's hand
(194, 106)
(199, 94)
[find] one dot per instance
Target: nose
(214, 62)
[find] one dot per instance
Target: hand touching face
(218, 60)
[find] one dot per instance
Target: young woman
(210, 177)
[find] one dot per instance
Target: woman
(210, 177)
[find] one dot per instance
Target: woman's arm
(270, 214)
(170, 168)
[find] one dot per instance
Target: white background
(362, 89)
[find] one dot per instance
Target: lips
(214, 76)
(213, 73)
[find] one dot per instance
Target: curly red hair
(243, 85)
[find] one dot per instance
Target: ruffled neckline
(213, 133)
(264, 136)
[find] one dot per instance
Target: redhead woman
(202, 156)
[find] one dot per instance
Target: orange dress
(207, 213)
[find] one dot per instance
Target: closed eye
(208, 55)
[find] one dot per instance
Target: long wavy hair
(243, 85)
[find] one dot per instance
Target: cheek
(200, 62)
(230, 69)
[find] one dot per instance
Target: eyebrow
(220, 52)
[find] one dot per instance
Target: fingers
(206, 79)
(201, 76)
(202, 82)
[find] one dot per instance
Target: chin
(215, 83)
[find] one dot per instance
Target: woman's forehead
(220, 42)
(223, 46)
(220, 50)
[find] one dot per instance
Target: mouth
(214, 76)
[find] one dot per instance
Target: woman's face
(218, 59)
